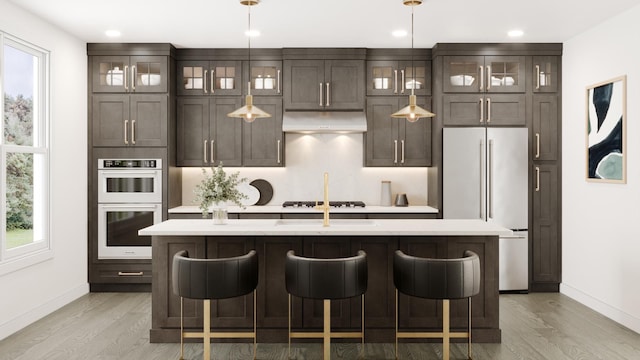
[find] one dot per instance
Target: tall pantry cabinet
(131, 116)
(494, 85)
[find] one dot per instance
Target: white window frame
(41, 249)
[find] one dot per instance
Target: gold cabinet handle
(278, 147)
(213, 80)
(126, 273)
(402, 79)
(126, 84)
(395, 81)
(537, 178)
(328, 94)
(537, 145)
(133, 132)
(133, 78)
(402, 152)
(204, 82)
(481, 110)
(204, 151)
(481, 77)
(488, 77)
(321, 91)
(278, 91)
(395, 151)
(213, 158)
(126, 125)
(537, 77)
(488, 110)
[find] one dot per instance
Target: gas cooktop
(310, 204)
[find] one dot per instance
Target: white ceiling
(324, 23)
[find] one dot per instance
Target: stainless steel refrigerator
(485, 177)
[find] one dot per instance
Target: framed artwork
(606, 131)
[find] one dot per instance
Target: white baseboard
(605, 309)
(29, 317)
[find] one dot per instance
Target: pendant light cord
(413, 69)
(249, 40)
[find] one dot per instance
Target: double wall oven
(129, 199)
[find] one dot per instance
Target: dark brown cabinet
(263, 140)
(264, 77)
(202, 77)
(545, 127)
(546, 75)
(324, 84)
(396, 142)
(129, 74)
(545, 242)
(484, 110)
(129, 120)
(206, 136)
(483, 74)
(389, 77)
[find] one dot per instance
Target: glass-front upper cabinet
(545, 74)
(264, 77)
(491, 74)
(130, 74)
(398, 78)
(209, 78)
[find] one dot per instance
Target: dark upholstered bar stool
(437, 279)
(326, 279)
(207, 279)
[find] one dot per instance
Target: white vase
(385, 193)
(219, 213)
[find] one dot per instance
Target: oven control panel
(129, 163)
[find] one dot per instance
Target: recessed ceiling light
(113, 33)
(252, 33)
(399, 33)
(515, 33)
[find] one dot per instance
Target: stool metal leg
(327, 330)
(469, 329)
(289, 333)
(362, 349)
(255, 333)
(206, 314)
(396, 324)
(181, 328)
(445, 329)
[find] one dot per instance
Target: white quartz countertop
(293, 210)
(338, 227)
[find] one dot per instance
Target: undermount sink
(332, 222)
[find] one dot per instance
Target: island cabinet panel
(165, 304)
(313, 311)
(272, 293)
(272, 298)
(379, 307)
(234, 312)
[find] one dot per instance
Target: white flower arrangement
(218, 188)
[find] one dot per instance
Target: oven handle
(129, 206)
(124, 172)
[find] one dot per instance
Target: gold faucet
(325, 205)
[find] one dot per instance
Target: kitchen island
(344, 237)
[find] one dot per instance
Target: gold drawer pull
(122, 273)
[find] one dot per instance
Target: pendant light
(249, 112)
(412, 112)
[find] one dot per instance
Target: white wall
(309, 156)
(601, 228)
(33, 292)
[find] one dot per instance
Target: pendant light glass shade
(413, 112)
(249, 112)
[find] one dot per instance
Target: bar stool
(442, 279)
(207, 279)
(326, 279)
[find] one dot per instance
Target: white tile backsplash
(308, 157)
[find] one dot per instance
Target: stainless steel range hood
(314, 122)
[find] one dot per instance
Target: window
(24, 152)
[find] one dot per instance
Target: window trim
(27, 255)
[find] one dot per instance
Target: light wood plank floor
(116, 326)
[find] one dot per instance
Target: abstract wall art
(606, 131)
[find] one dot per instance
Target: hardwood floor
(116, 326)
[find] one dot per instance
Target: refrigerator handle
(481, 190)
(490, 176)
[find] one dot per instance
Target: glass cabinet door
(462, 73)
(193, 77)
(264, 77)
(125, 74)
(504, 74)
(545, 74)
(149, 73)
(382, 78)
(225, 78)
(421, 78)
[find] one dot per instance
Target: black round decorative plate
(266, 191)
